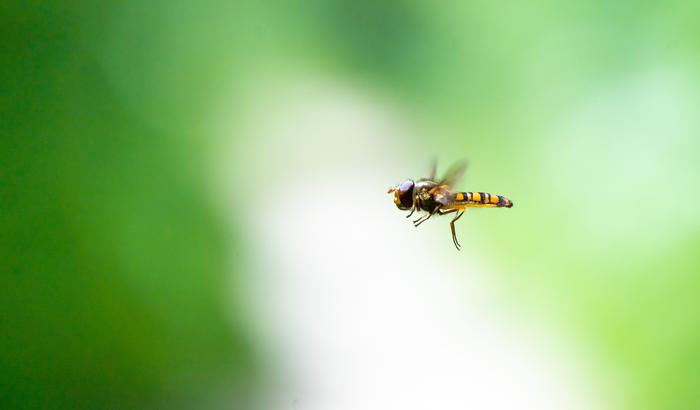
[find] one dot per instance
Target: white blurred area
(356, 309)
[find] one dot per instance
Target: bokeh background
(194, 212)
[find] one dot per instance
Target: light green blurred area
(116, 284)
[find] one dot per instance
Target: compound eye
(405, 194)
(406, 186)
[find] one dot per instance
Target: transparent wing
(433, 170)
(453, 174)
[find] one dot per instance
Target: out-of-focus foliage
(113, 284)
(114, 287)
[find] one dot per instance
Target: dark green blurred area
(114, 288)
(116, 284)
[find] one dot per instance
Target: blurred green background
(118, 266)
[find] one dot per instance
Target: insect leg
(412, 211)
(422, 219)
(452, 227)
(435, 211)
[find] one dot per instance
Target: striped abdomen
(480, 199)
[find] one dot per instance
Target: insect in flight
(436, 197)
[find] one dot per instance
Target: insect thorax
(424, 200)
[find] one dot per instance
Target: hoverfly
(435, 197)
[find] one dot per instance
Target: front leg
(426, 217)
(412, 211)
(422, 219)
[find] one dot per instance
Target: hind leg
(452, 228)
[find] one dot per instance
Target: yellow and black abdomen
(480, 200)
